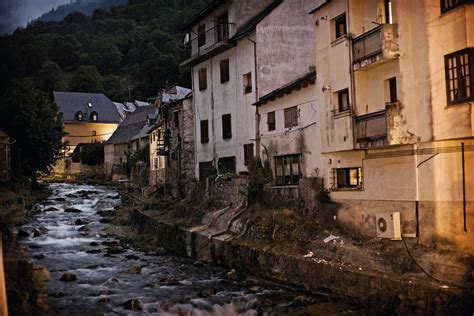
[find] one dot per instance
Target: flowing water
(70, 238)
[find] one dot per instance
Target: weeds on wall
(260, 174)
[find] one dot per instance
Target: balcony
(371, 130)
(376, 46)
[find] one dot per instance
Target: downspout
(214, 151)
(352, 75)
(257, 114)
(417, 188)
(196, 167)
(463, 188)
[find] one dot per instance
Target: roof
(132, 125)
(3, 134)
(319, 6)
(202, 14)
(175, 93)
(70, 103)
(309, 78)
(250, 25)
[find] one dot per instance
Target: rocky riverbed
(94, 273)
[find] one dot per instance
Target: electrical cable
(418, 265)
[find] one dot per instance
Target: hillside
(83, 6)
(132, 50)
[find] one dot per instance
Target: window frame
(467, 86)
(340, 95)
(204, 131)
(79, 116)
(227, 126)
(224, 160)
(347, 181)
(291, 121)
(287, 179)
(201, 35)
(94, 116)
(202, 74)
(445, 7)
(224, 70)
(248, 153)
(271, 124)
(222, 27)
(341, 19)
(247, 79)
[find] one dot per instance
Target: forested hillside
(132, 50)
(82, 6)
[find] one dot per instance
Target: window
(248, 154)
(204, 131)
(447, 5)
(388, 11)
(287, 169)
(393, 89)
(247, 83)
(343, 100)
(201, 35)
(79, 116)
(222, 27)
(94, 116)
(271, 121)
(291, 117)
(206, 169)
(224, 70)
(226, 165)
(94, 133)
(176, 118)
(349, 177)
(459, 68)
(341, 26)
(226, 126)
(202, 79)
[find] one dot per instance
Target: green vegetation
(260, 174)
(90, 154)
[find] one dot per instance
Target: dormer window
(94, 116)
(79, 116)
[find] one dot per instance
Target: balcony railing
(212, 38)
(378, 44)
(371, 130)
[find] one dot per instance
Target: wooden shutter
(226, 126)
(202, 79)
(204, 131)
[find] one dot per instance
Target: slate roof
(70, 103)
(132, 125)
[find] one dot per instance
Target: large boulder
(132, 305)
(68, 277)
(115, 249)
(72, 210)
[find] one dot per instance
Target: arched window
(94, 116)
(79, 116)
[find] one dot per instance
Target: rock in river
(231, 275)
(133, 270)
(23, 233)
(115, 249)
(72, 210)
(68, 277)
(132, 305)
(79, 222)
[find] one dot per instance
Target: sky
(14, 13)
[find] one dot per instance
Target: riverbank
(379, 275)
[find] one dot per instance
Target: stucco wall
(82, 132)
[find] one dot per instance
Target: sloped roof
(3, 134)
(132, 125)
(70, 103)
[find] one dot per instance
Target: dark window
(226, 165)
(176, 118)
(459, 68)
(94, 116)
(79, 116)
(343, 100)
(341, 26)
(388, 11)
(349, 177)
(447, 5)
(247, 83)
(201, 35)
(94, 133)
(224, 70)
(291, 117)
(202, 79)
(222, 27)
(206, 169)
(204, 131)
(248, 153)
(271, 121)
(226, 126)
(393, 89)
(287, 169)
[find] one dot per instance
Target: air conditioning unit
(388, 225)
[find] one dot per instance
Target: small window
(226, 126)
(291, 117)
(224, 70)
(287, 170)
(271, 121)
(343, 100)
(340, 25)
(202, 79)
(94, 133)
(248, 154)
(79, 116)
(204, 131)
(247, 83)
(392, 83)
(226, 165)
(176, 118)
(349, 177)
(459, 69)
(222, 27)
(206, 169)
(201, 35)
(447, 5)
(388, 11)
(94, 116)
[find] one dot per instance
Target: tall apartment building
(397, 79)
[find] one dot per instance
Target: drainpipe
(463, 188)
(417, 188)
(214, 150)
(257, 114)
(352, 75)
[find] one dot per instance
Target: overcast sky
(14, 13)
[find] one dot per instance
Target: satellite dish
(187, 39)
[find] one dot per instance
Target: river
(69, 235)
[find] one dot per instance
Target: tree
(86, 79)
(51, 77)
(90, 154)
(35, 126)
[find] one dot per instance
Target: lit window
(79, 116)
(349, 177)
(94, 116)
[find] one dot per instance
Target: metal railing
(368, 44)
(371, 129)
(213, 37)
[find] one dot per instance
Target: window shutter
(202, 79)
(204, 131)
(226, 126)
(224, 65)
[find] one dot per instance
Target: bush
(90, 154)
(260, 174)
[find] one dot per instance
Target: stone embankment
(376, 291)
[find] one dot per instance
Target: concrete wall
(67, 167)
(285, 49)
(78, 133)
(304, 139)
